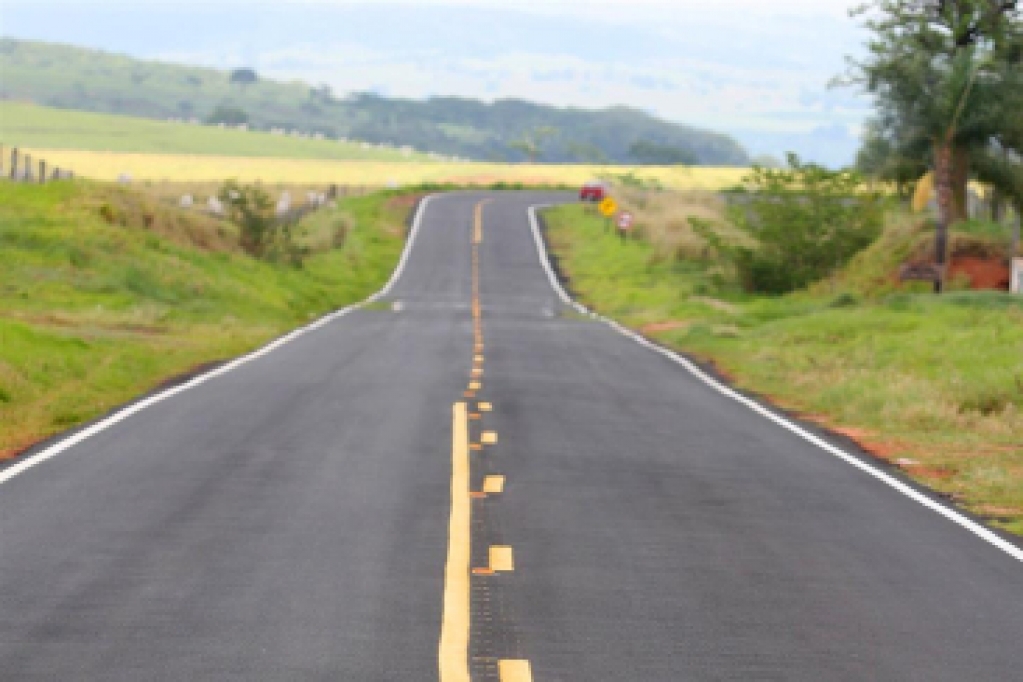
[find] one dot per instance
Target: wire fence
(23, 168)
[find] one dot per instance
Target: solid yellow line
(454, 633)
(514, 671)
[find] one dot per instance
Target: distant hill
(90, 80)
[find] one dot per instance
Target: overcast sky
(757, 69)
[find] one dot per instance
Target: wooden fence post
(14, 164)
(42, 172)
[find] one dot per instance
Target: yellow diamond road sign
(608, 207)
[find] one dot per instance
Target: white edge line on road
(86, 433)
(977, 529)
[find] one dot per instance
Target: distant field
(29, 125)
(199, 168)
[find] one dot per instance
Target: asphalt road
(292, 519)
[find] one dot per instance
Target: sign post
(608, 207)
(624, 224)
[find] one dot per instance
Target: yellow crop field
(196, 168)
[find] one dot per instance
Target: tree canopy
(947, 79)
(244, 76)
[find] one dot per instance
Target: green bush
(806, 222)
(250, 207)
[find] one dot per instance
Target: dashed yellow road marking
(477, 371)
(484, 407)
(475, 446)
(501, 559)
(489, 438)
(454, 634)
(493, 485)
(475, 385)
(478, 359)
(477, 233)
(514, 671)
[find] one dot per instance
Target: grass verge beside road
(933, 386)
(101, 300)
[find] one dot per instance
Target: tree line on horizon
(505, 130)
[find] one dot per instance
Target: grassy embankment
(104, 294)
(932, 385)
(103, 146)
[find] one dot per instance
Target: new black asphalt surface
(288, 520)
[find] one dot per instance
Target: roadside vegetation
(931, 385)
(106, 292)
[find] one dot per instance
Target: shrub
(806, 222)
(250, 207)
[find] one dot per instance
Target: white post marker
(624, 224)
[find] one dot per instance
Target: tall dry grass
(663, 218)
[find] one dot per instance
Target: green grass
(37, 127)
(934, 382)
(96, 312)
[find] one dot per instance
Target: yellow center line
(454, 634)
(501, 559)
(514, 671)
(477, 233)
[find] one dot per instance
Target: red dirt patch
(14, 453)
(654, 327)
(848, 431)
(404, 200)
(983, 273)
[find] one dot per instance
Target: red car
(594, 190)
